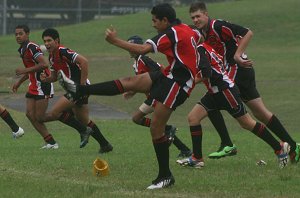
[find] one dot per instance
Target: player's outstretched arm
(111, 37)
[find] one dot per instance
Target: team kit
(210, 52)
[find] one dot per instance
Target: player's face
(21, 36)
(50, 43)
(160, 25)
(199, 18)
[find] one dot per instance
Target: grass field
(27, 171)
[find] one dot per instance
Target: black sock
(145, 122)
(49, 139)
(161, 147)
(196, 133)
(179, 144)
(109, 88)
(5, 115)
(69, 119)
(218, 122)
(262, 132)
(97, 135)
(278, 129)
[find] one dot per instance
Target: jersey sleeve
(68, 54)
(229, 31)
(197, 36)
(160, 43)
(204, 66)
(34, 50)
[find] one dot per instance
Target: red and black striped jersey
(29, 51)
(224, 38)
(145, 64)
(65, 59)
(179, 44)
(219, 79)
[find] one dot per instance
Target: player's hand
(43, 77)
(110, 34)
(15, 87)
(129, 94)
(20, 71)
(243, 62)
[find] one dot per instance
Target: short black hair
(135, 39)
(24, 27)
(53, 33)
(164, 10)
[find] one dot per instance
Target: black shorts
(245, 81)
(227, 99)
(78, 101)
(38, 97)
(167, 91)
(149, 101)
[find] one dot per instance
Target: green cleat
(294, 156)
(223, 152)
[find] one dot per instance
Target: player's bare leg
(260, 111)
(34, 110)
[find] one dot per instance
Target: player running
(230, 41)
(74, 66)
(222, 94)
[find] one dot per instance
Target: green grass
(30, 172)
(26, 171)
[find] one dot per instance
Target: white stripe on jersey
(153, 45)
(175, 46)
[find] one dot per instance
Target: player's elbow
(250, 33)
(143, 49)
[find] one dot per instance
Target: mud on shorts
(167, 91)
(245, 81)
(227, 99)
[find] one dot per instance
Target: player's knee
(40, 118)
(54, 115)
(193, 119)
(30, 115)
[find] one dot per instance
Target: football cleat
(192, 162)
(185, 154)
(18, 134)
(163, 182)
(50, 146)
(283, 154)
(105, 149)
(66, 83)
(84, 137)
(223, 151)
(295, 155)
(171, 133)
